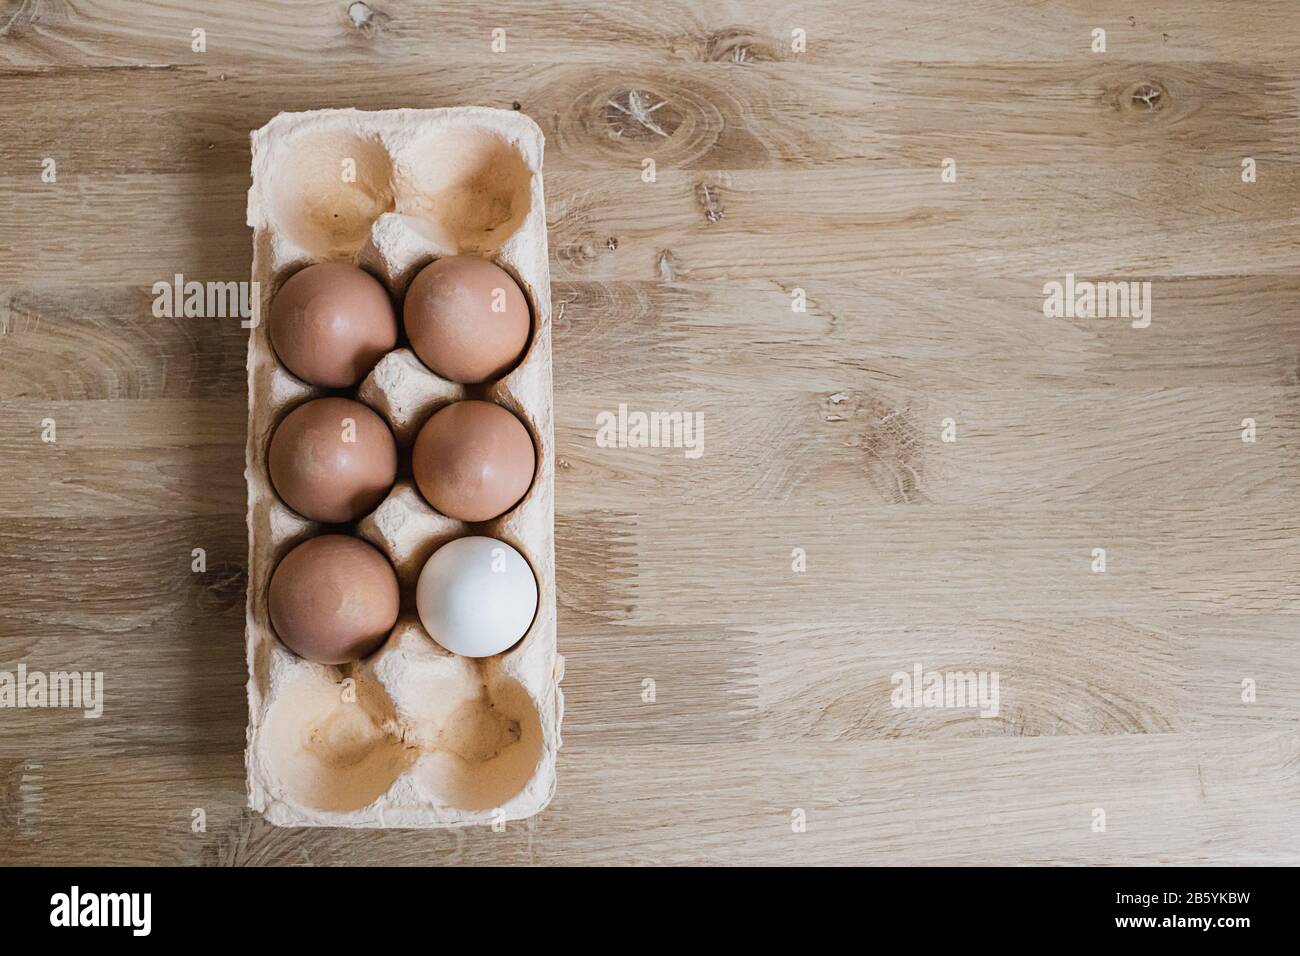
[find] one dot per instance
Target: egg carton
(413, 735)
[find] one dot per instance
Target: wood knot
(1145, 96)
(708, 198)
(888, 441)
(667, 266)
(737, 46)
(367, 19)
(639, 114)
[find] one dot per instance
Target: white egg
(476, 596)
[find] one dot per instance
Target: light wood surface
(775, 171)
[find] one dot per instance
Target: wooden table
(771, 735)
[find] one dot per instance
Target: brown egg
(333, 599)
(466, 319)
(473, 460)
(330, 324)
(332, 459)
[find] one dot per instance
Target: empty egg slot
(472, 182)
(330, 186)
(475, 728)
(489, 751)
(328, 743)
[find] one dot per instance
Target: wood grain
(776, 171)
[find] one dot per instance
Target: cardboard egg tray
(412, 736)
